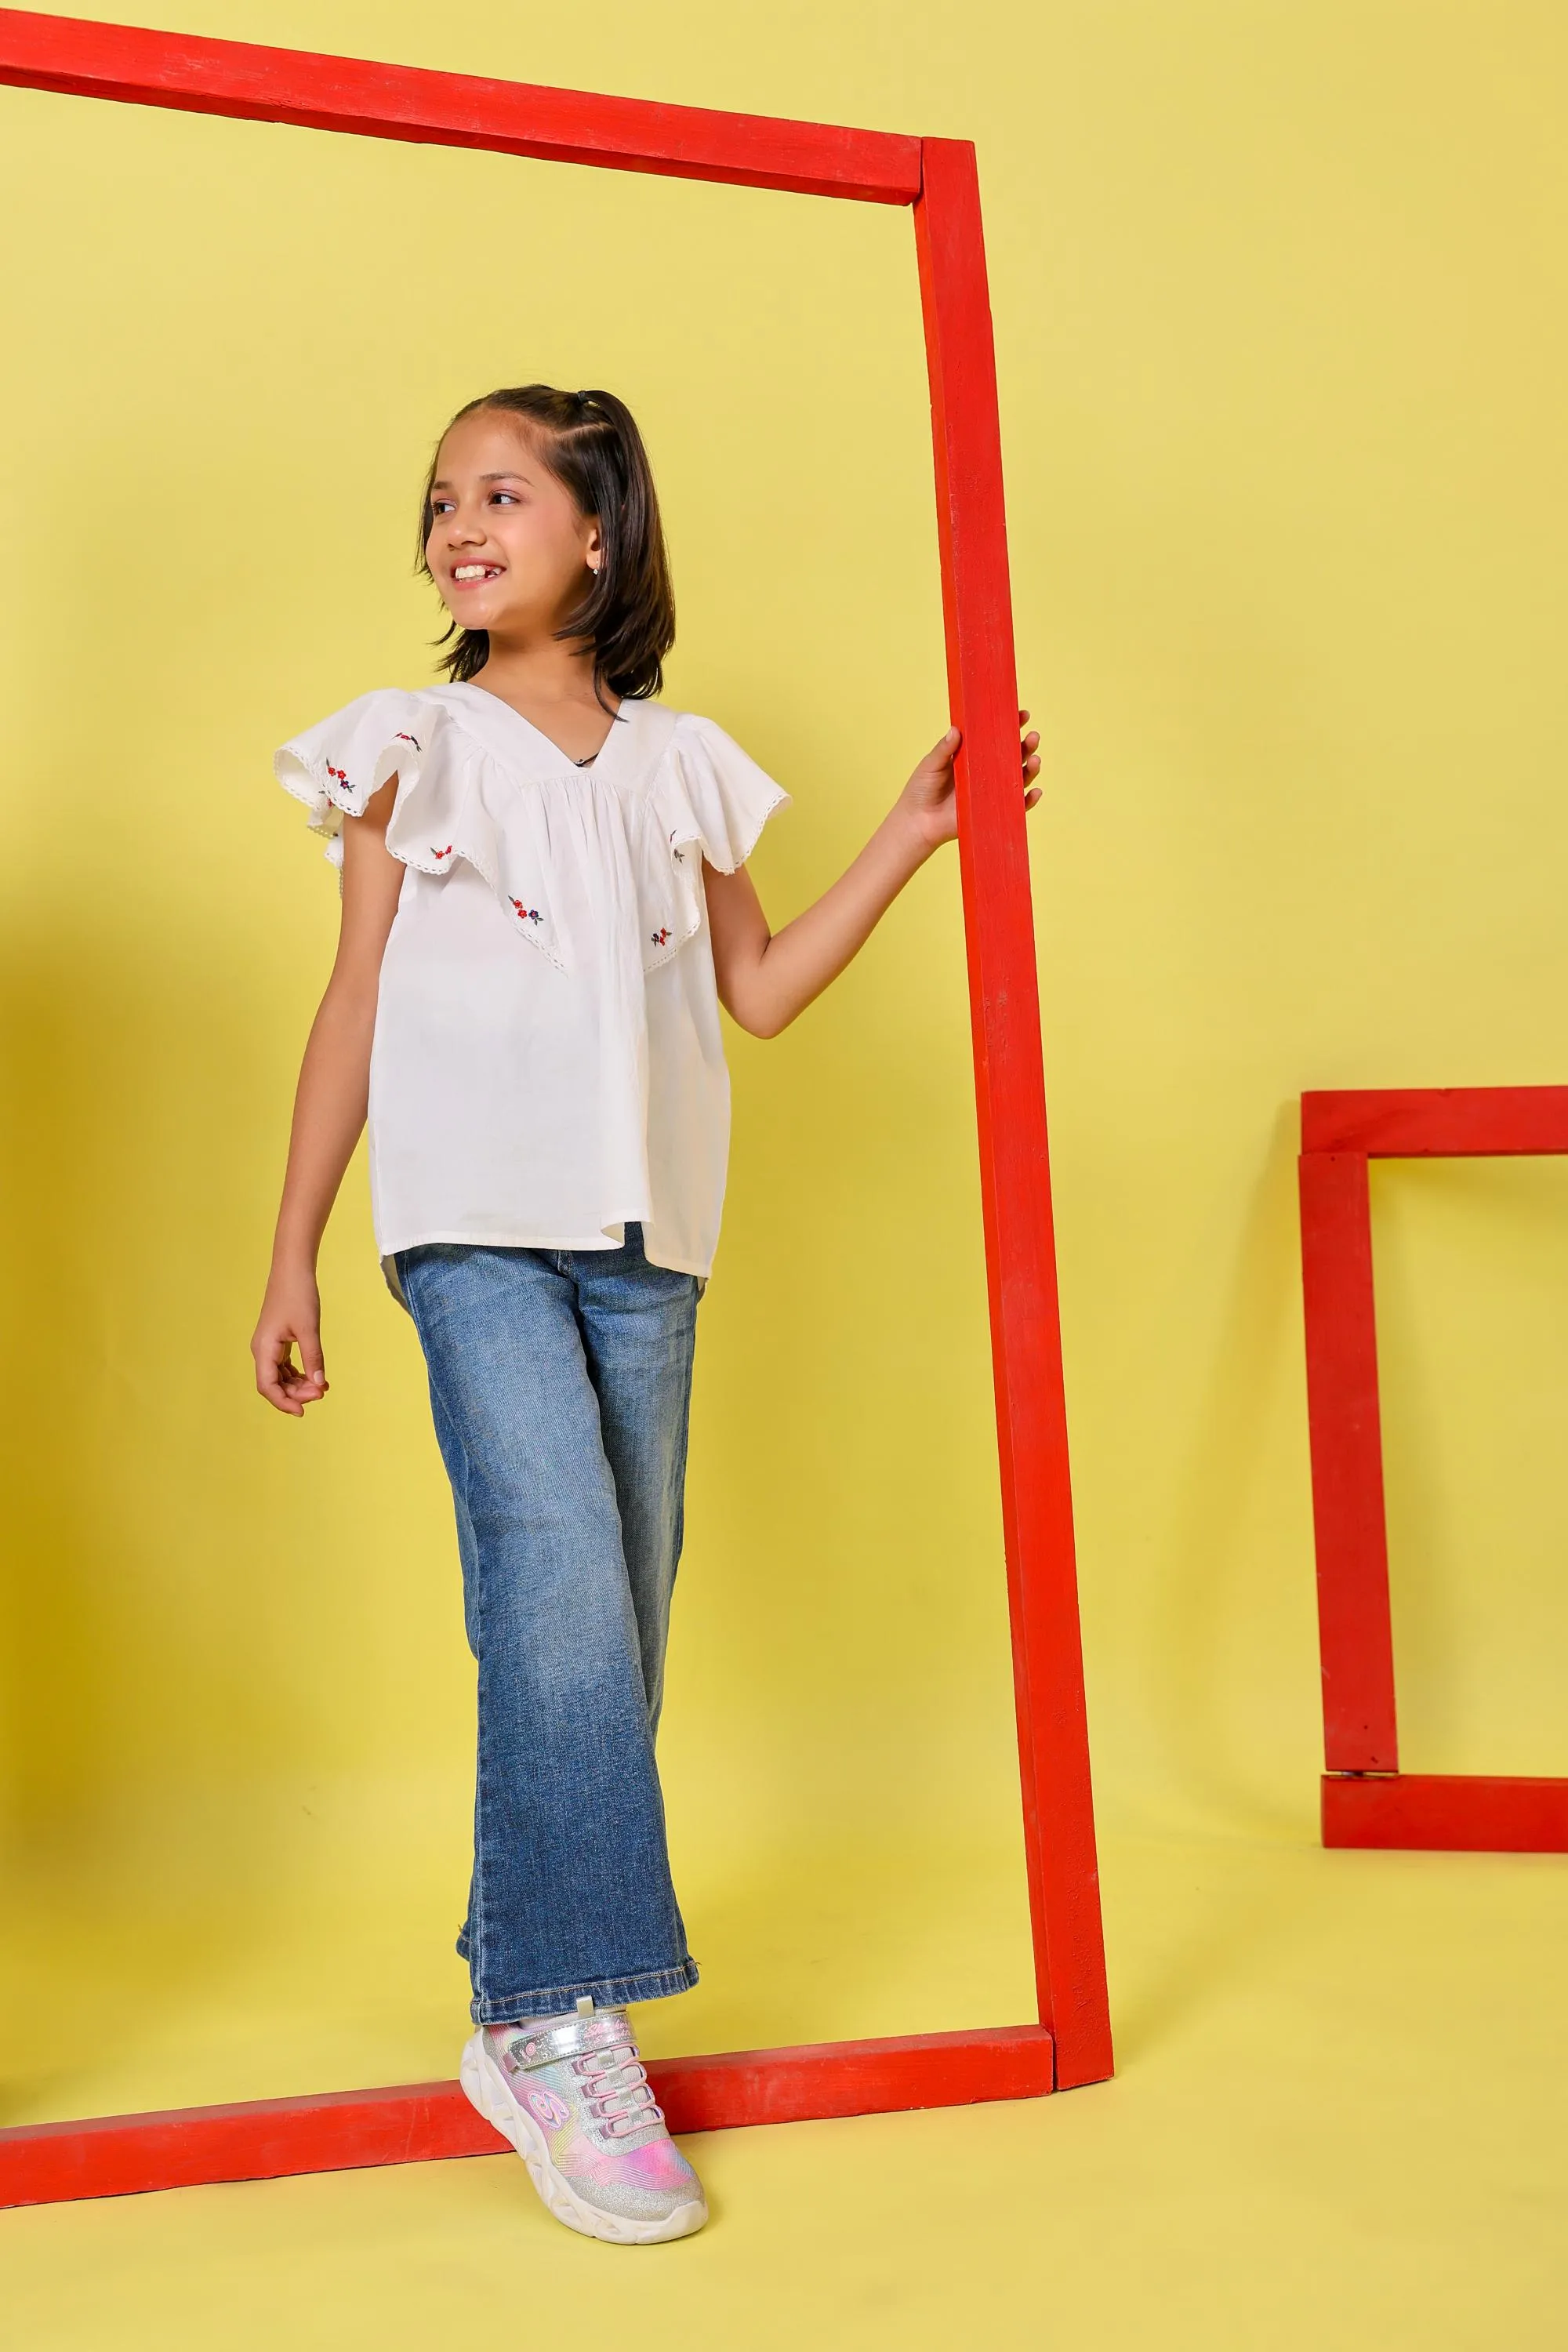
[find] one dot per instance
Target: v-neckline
(578, 768)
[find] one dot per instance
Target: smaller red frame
(1366, 1800)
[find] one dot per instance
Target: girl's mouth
(474, 575)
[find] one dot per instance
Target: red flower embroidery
(442, 853)
(407, 739)
(526, 914)
(660, 938)
(339, 775)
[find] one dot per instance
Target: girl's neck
(548, 675)
(551, 686)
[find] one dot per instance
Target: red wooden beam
(240, 79)
(1447, 1812)
(1355, 1623)
(338, 2131)
(1437, 1122)
(1015, 1167)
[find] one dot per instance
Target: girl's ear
(593, 548)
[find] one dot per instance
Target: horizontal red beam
(338, 2131)
(1437, 1122)
(1446, 1813)
(142, 67)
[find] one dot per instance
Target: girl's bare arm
(767, 979)
(328, 1114)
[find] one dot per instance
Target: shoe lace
(618, 2096)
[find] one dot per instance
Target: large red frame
(1367, 1800)
(936, 177)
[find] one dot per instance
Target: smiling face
(508, 549)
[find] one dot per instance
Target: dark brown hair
(591, 444)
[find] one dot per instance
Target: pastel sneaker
(573, 2098)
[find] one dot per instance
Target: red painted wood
(260, 2139)
(1447, 1813)
(145, 68)
(1031, 1411)
(265, 2140)
(1437, 1122)
(1355, 1627)
(1451, 1813)
(854, 2078)
(354, 95)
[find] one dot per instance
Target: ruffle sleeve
(713, 795)
(463, 806)
(453, 804)
(709, 800)
(335, 766)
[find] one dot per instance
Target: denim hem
(606, 1992)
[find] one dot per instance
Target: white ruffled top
(548, 1063)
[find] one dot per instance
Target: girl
(544, 904)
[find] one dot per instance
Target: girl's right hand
(291, 1316)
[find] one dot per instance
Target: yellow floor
(1338, 2124)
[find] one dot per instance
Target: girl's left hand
(928, 797)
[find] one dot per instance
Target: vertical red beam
(1346, 1437)
(1014, 1171)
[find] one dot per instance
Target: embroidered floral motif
(338, 775)
(401, 738)
(445, 853)
(527, 914)
(660, 937)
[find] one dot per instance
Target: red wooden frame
(1366, 1800)
(937, 177)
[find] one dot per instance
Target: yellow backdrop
(1280, 388)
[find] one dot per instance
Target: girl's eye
(440, 505)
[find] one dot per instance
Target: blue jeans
(560, 1384)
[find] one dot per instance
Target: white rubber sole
(484, 2086)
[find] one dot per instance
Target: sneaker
(573, 2098)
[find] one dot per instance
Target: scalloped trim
(319, 796)
(667, 943)
(525, 919)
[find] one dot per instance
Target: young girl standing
(544, 904)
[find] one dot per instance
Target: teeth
(476, 572)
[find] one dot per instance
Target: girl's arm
(765, 978)
(328, 1113)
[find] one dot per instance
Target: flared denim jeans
(561, 1385)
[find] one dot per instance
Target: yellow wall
(1281, 341)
